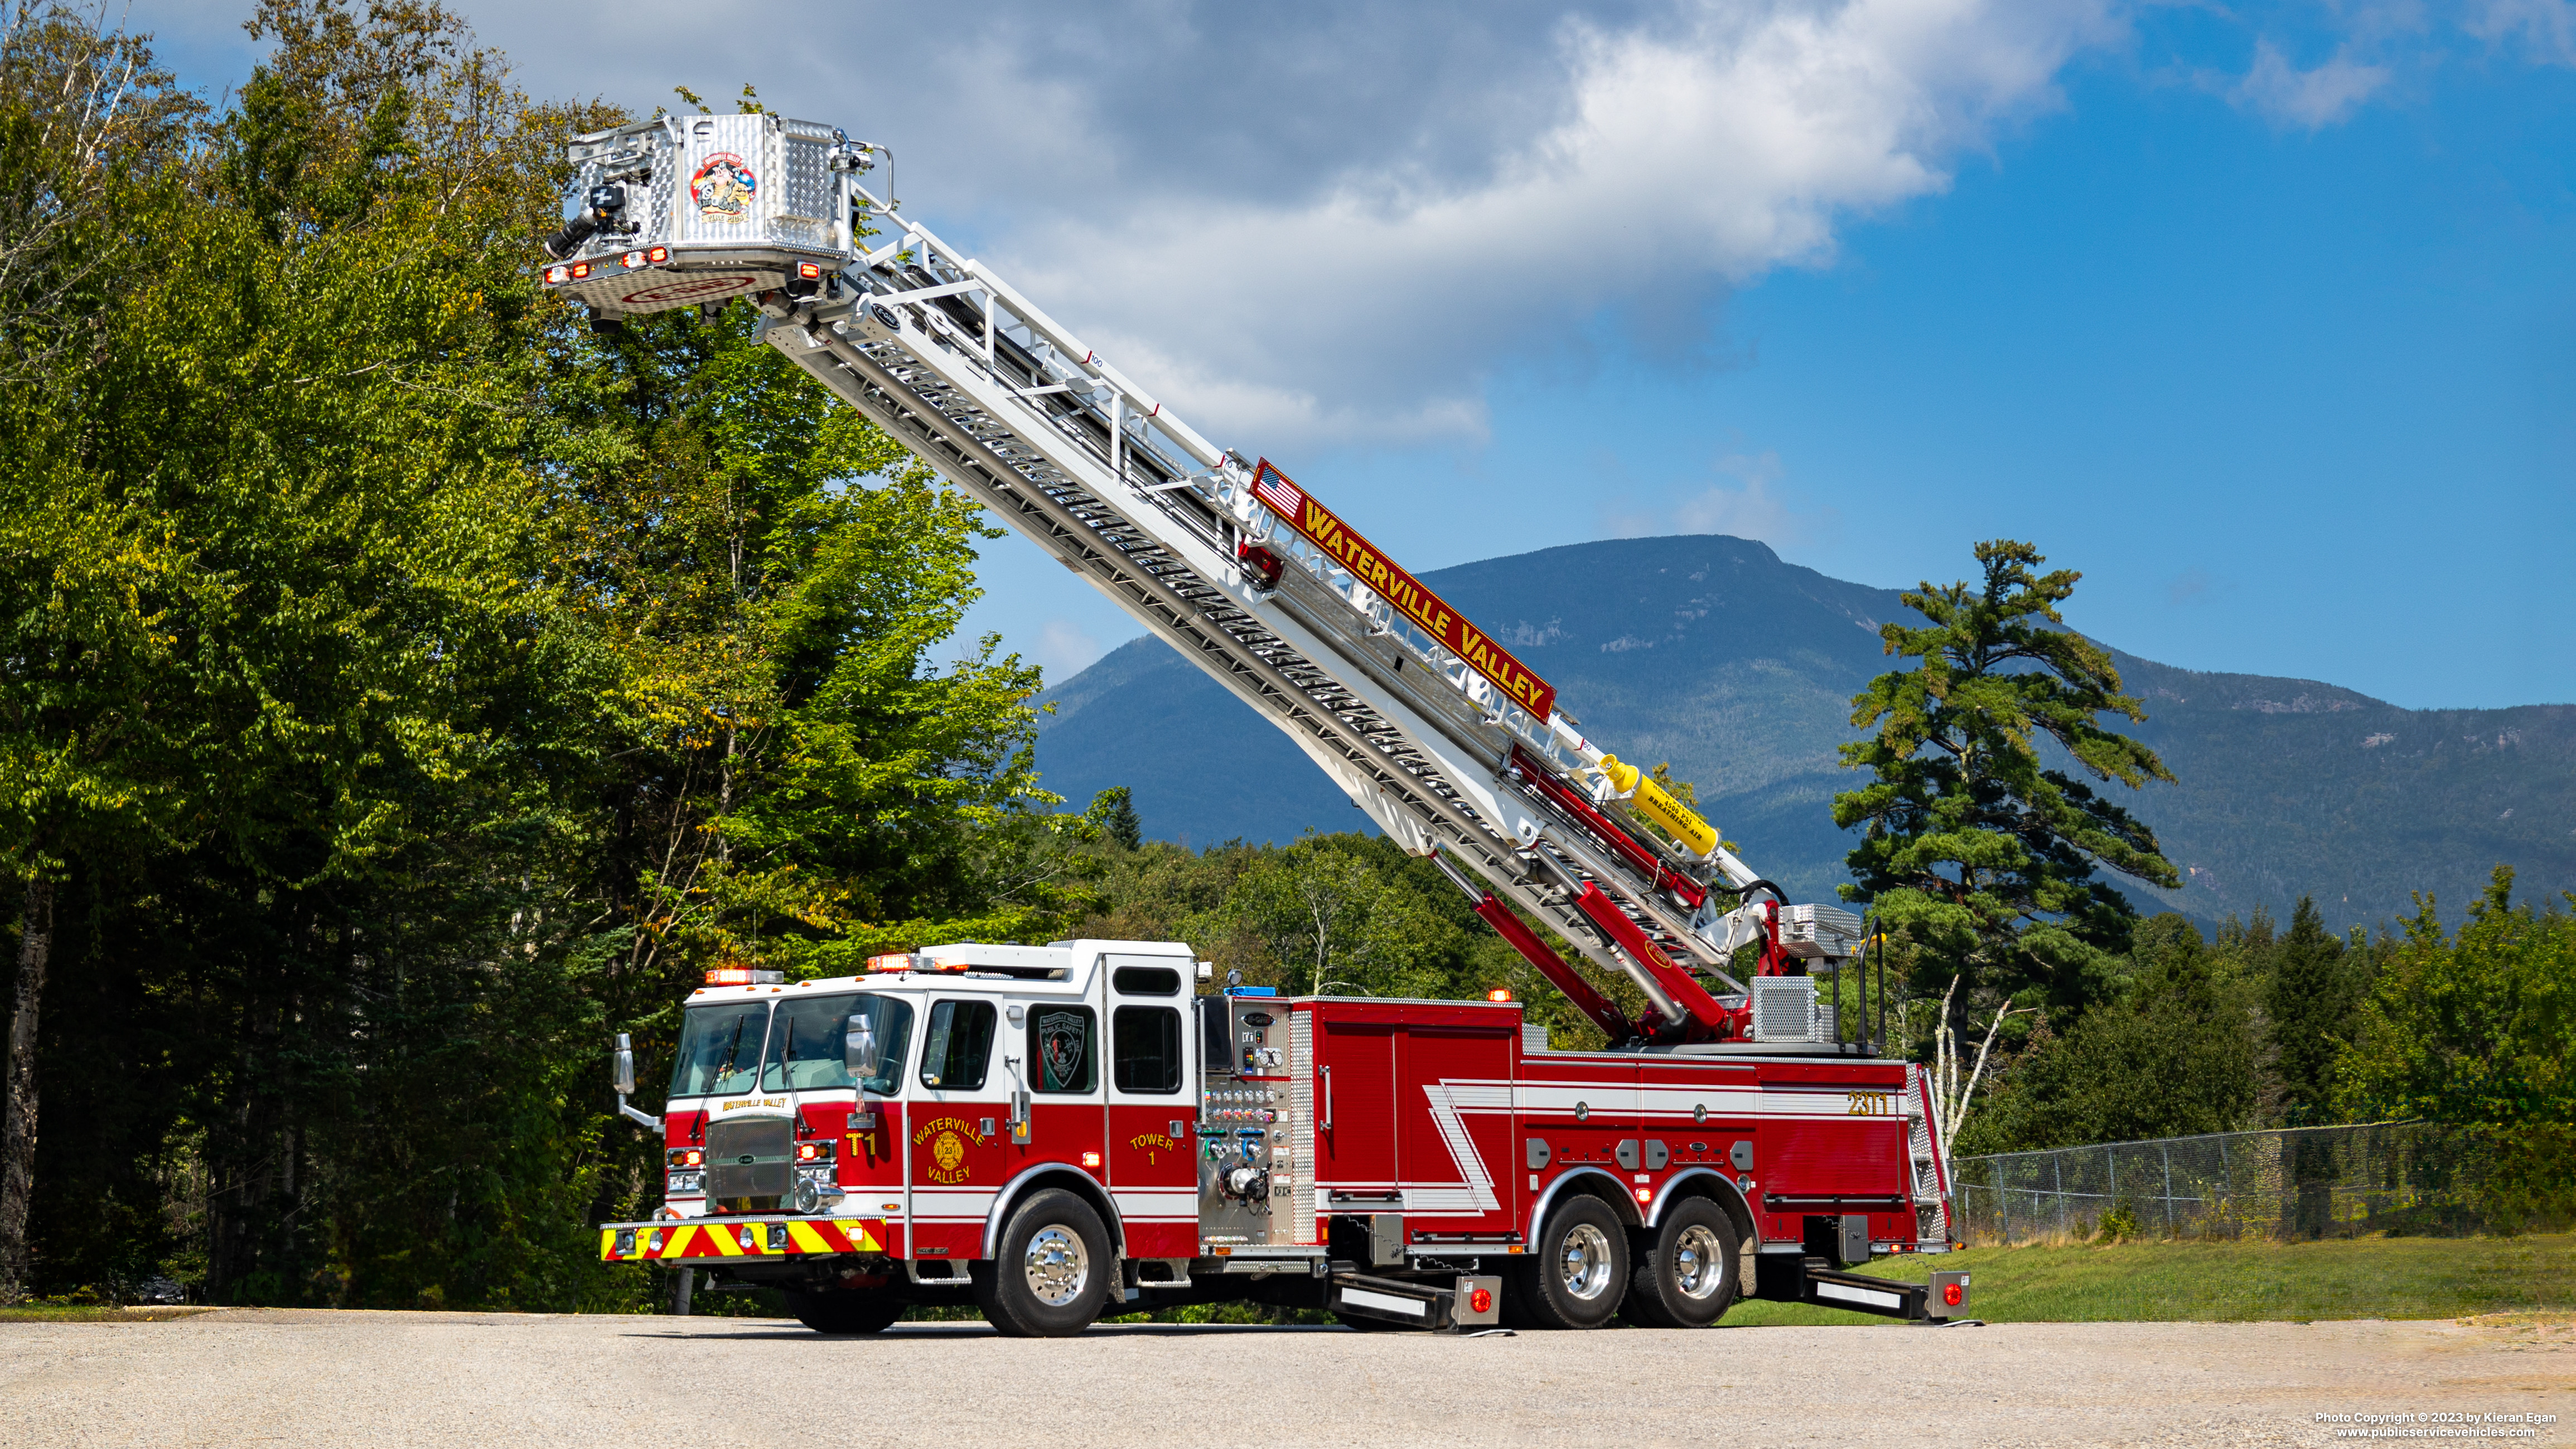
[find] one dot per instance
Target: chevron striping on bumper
(724, 1240)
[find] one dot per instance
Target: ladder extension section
(1451, 744)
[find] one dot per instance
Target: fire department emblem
(723, 187)
(946, 1139)
(1061, 1043)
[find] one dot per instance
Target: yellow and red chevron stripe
(757, 1238)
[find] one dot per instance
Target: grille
(750, 1158)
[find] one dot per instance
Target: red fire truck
(1048, 1132)
(1051, 1133)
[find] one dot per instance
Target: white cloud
(1751, 508)
(2311, 99)
(1715, 147)
(1064, 649)
(2546, 27)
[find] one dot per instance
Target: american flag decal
(1274, 489)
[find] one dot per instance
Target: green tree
(1972, 845)
(2311, 999)
(1114, 811)
(2174, 1056)
(1337, 920)
(2478, 1029)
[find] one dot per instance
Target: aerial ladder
(1456, 749)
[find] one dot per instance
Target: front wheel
(1577, 1271)
(1051, 1271)
(843, 1310)
(1686, 1277)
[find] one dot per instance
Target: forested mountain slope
(1711, 653)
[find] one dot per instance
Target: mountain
(1739, 669)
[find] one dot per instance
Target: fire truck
(1051, 1133)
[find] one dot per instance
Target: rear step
(1416, 1304)
(1856, 1293)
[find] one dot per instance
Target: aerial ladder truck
(885, 1140)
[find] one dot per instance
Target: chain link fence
(2293, 1183)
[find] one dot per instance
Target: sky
(2260, 316)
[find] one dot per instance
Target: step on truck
(1054, 1132)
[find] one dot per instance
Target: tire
(1052, 1271)
(1577, 1272)
(843, 1310)
(1687, 1277)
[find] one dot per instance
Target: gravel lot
(346, 1380)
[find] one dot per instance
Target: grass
(2237, 1282)
(92, 1313)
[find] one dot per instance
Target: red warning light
(1480, 1300)
(1951, 1294)
(1499, 993)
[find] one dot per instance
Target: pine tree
(2311, 1001)
(1114, 811)
(1978, 852)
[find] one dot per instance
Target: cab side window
(1064, 1048)
(1145, 1048)
(959, 1046)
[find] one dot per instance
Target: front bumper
(721, 1240)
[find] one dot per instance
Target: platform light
(632, 259)
(558, 275)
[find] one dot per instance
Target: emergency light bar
(744, 976)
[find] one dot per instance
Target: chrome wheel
(1699, 1263)
(1057, 1266)
(1584, 1263)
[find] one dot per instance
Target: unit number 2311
(1872, 1104)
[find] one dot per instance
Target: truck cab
(877, 1132)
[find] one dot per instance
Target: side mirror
(622, 1070)
(859, 1049)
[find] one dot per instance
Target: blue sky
(2262, 317)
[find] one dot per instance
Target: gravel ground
(347, 1380)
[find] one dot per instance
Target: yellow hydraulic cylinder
(1657, 804)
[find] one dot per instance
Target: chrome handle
(1328, 1097)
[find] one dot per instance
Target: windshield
(807, 1042)
(891, 1018)
(719, 1049)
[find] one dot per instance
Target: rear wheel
(843, 1310)
(1577, 1271)
(1686, 1277)
(1051, 1272)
